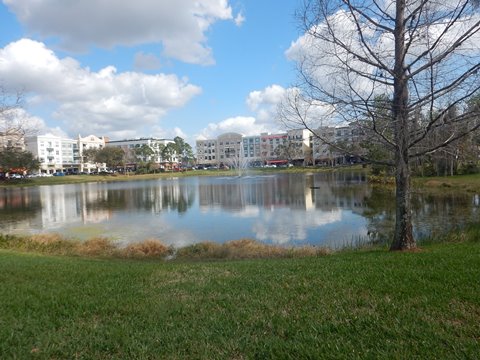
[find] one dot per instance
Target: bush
(149, 248)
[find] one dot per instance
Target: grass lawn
(355, 304)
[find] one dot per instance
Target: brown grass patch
(150, 248)
(97, 246)
(47, 243)
(245, 249)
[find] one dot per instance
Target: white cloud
(287, 225)
(103, 102)
(270, 96)
(264, 104)
(145, 61)
(179, 25)
(245, 125)
(239, 19)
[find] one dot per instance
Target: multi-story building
(50, 151)
(85, 143)
(251, 150)
(12, 139)
(322, 151)
(326, 139)
(230, 149)
(58, 154)
(130, 146)
(269, 148)
(298, 146)
(207, 152)
(302, 141)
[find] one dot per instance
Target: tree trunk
(403, 235)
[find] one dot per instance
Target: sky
(143, 68)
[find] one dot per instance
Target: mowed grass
(352, 305)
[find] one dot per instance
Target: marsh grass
(150, 248)
(55, 244)
(245, 249)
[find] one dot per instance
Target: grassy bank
(357, 304)
(470, 183)
(77, 179)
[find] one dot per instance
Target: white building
(58, 154)
(129, 146)
(50, 151)
(85, 143)
(302, 140)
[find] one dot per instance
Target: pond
(334, 209)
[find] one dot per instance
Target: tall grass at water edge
(55, 244)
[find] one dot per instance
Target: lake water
(324, 209)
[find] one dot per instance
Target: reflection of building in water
(66, 204)
(294, 192)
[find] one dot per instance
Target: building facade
(58, 154)
(156, 155)
(230, 149)
(86, 143)
(12, 139)
(207, 152)
(296, 146)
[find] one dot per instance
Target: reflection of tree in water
(19, 204)
(380, 213)
(432, 213)
(437, 213)
(166, 197)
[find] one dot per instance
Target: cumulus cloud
(265, 102)
(179, 25)
(264, 105)
(245, 125)
(145, 61)
(239, 19)
(104, 102)
(287, 225)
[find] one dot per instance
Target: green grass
(352, 305)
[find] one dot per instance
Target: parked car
(59, 173)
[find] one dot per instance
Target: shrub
(97, 246)
(150, 248)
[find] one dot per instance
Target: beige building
(230, 149)
(302, 140)
(207, 152)
(12, 139)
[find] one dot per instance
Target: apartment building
(207, 152)
(269, 148)
(85, 143)
(129, 146)
(298, 146)
(58, 154)
(12, 139)
(229, 149)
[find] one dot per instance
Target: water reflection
(328, 209)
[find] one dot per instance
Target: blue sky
(149, 68)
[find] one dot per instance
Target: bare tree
(422, 54)
(14, 125)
